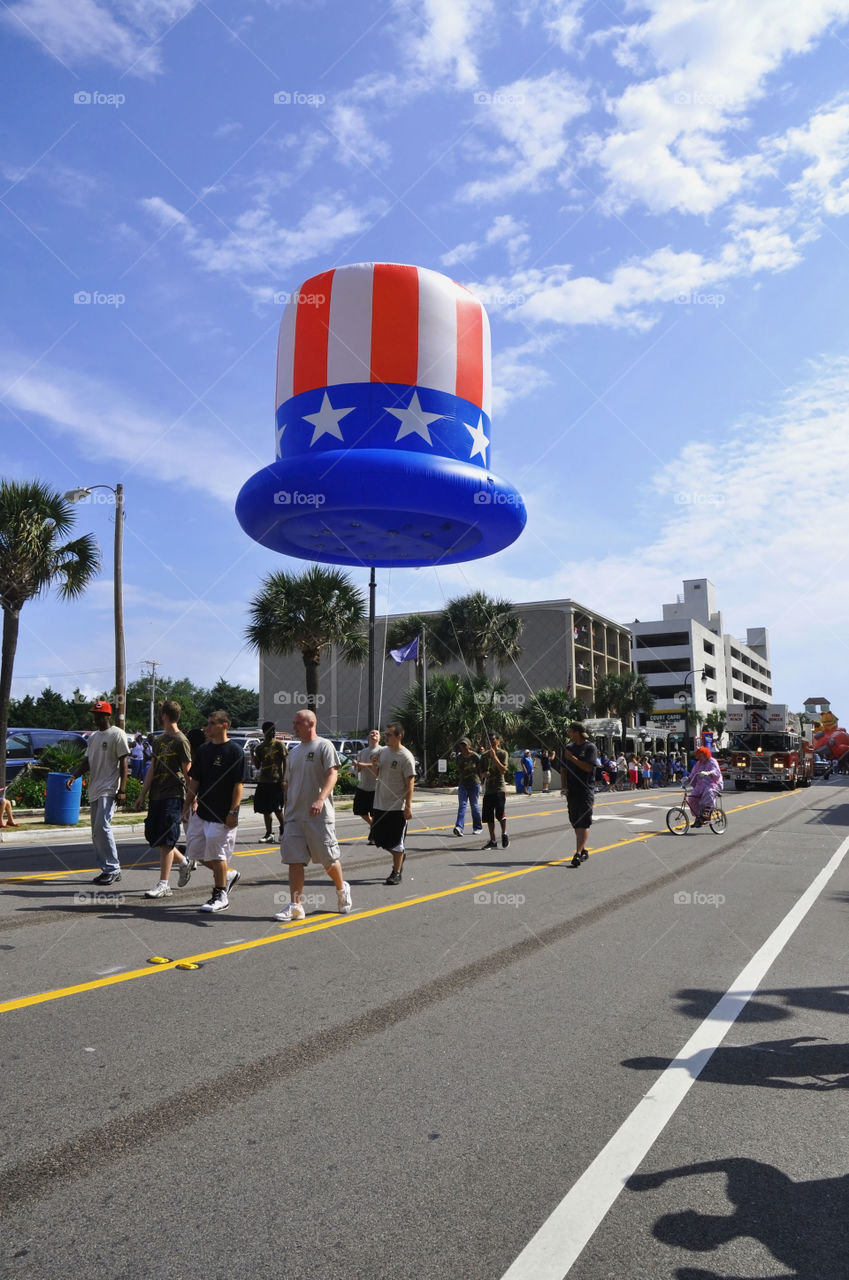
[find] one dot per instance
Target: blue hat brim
(380, 507)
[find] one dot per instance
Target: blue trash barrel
(520, 781)
(62, 807)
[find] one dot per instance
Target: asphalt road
(501, 1068)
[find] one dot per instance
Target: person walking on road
(215, 782)
(366, 781)
(545, 764)
(468, 787)
(165, 783)
(106, 758)
(310, 830)
(578, 763)
(269, 757)
(395, 771)
(495, 761)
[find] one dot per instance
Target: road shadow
(804, 1225)
(835, 816)
(801, 1062)
(772, 1005)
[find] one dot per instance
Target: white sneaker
(218, 902)
(233, 878)
(294, 911)
(161, 890)
(184, 872)
(343, 898)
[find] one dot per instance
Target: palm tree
(623, 695)
(309, 611)
(33, 519)
(474, 628)
(715, 721)
(456, 708)
(546, 715)
(403, 630)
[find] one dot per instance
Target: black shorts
(388, 828)
(162, 822)
(493, 806)
(268, 797)
(580, 806)
(363, 802)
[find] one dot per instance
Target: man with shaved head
(310, 830)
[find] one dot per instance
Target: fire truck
(767, 746)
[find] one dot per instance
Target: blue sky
(650, 198)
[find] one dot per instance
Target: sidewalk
(134, 829)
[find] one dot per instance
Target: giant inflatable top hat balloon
(383, 425)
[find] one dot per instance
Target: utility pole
(153, 665)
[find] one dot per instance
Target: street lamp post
(77, 495)
(684, 697)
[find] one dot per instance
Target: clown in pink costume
(705, 778)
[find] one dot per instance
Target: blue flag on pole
(409, 653)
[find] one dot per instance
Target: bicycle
(679, 818)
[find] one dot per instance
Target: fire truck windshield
(764, 742)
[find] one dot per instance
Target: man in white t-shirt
(395, 770)
(309, 833)
(106, 758)
(366, 781)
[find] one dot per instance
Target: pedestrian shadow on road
(836, 816)
(772, 1005)
(801, 1062)
(804, 1225)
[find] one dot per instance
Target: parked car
(24, 746)
(822, 768)
(348, 746)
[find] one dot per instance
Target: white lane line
(619, 817)
(549, 1255)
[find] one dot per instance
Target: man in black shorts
(366, 781)
(269, 757)
(495, 762)
(577, 770)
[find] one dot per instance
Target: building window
(708, 648)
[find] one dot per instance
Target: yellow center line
(298, 930)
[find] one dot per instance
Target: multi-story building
(686, 653)
(564, 645)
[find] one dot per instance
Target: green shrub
(346, 785)
(133, 791)
(26, 792)
(60, 758)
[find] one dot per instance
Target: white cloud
(824, 141)
(667, 149)
(259, 242)
(532, 116)
(106, 425)
(505, 230)
(561, 18)
(451, 40)
(123, 34)
(358, 144)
